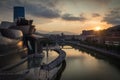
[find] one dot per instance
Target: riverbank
(101, 51)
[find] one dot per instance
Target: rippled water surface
(78, 65)
(82, 66)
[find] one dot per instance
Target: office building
(19, 12)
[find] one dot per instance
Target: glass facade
(19, 12)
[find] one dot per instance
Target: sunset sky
(65, 15)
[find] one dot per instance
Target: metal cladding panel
(11, 33)
(19, 12)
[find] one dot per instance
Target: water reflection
(112, 61)
(79, 65)
(49, 56)
(82, 65)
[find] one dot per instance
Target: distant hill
(56, 32)
(42, 32)
(59, 32)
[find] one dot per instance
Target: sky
(65, 15)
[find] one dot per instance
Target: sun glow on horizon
(97, 28)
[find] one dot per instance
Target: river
(81, 65)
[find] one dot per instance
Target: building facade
(19, 12)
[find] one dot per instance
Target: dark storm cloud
(95, 15)
(42, 11)
(101, 1)
(113, 17)
(70, 17)
(43, 8)
(7, 5)
(98, 2)
(50, 3)
(38, 8)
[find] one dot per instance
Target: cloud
(37, 8)
(113, 17)
(101, 1)
(50, 3)
(42, 11)
(43, 8)
(70, 17)
(94, 2)
(96, 15)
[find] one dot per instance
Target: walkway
(56, 62)
(105, 52)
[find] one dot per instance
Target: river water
(80, 65)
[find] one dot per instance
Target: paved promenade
(56, 62)
(102, 51)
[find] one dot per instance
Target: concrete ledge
(103, 52)
(56, 62)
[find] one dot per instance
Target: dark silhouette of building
(88, 32)
(19, 12)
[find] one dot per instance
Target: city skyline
(66, 15)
